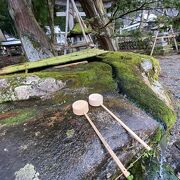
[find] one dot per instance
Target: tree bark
(51, 4)
(34, 40)
(98, 19)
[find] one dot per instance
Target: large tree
(34, 40)
(95, 11)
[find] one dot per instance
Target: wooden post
(174, 38)
(154, 43)
(66, 29)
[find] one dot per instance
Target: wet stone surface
(170, 69)
(60, 145)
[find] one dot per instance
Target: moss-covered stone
(127, 71)
(78, 31)
(126, 67)
(88, 78)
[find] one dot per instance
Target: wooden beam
(67, 23)
(70, 65)
(68, 58)
(63, 14)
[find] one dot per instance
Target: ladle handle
(111, 152)
(128, 129)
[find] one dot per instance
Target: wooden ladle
(80, 108)
(97, 100)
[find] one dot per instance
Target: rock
(137, 84)
(31, 86)
(27, 173)
(3, 83)
(177, 144)
(146, 65)
(31, 80)
(68, 148)
(157, 88)
(161, 93)
(22, 92)
(50, 85)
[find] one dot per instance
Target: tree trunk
(51, 4)
(141, 20)
(34, 40)
(95, 10)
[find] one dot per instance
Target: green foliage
(157, 136)
(40, 10)
(164, 20)
(148, 167)
(6, 23)
(171, 4)
(131, 8)
(175, 22)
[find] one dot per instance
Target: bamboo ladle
(97, 100)
(80, 108)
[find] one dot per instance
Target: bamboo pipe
(97, 100)
(81, 108)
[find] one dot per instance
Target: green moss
(70, 133)
(95, 75)
(157, 136)
(78, 31)
(22, 115)
(148, 167)
(126, 67)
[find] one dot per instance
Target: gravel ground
(170, 78)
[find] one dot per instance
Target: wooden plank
(70, 65)
(68, 58)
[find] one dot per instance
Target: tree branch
(126, 13)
